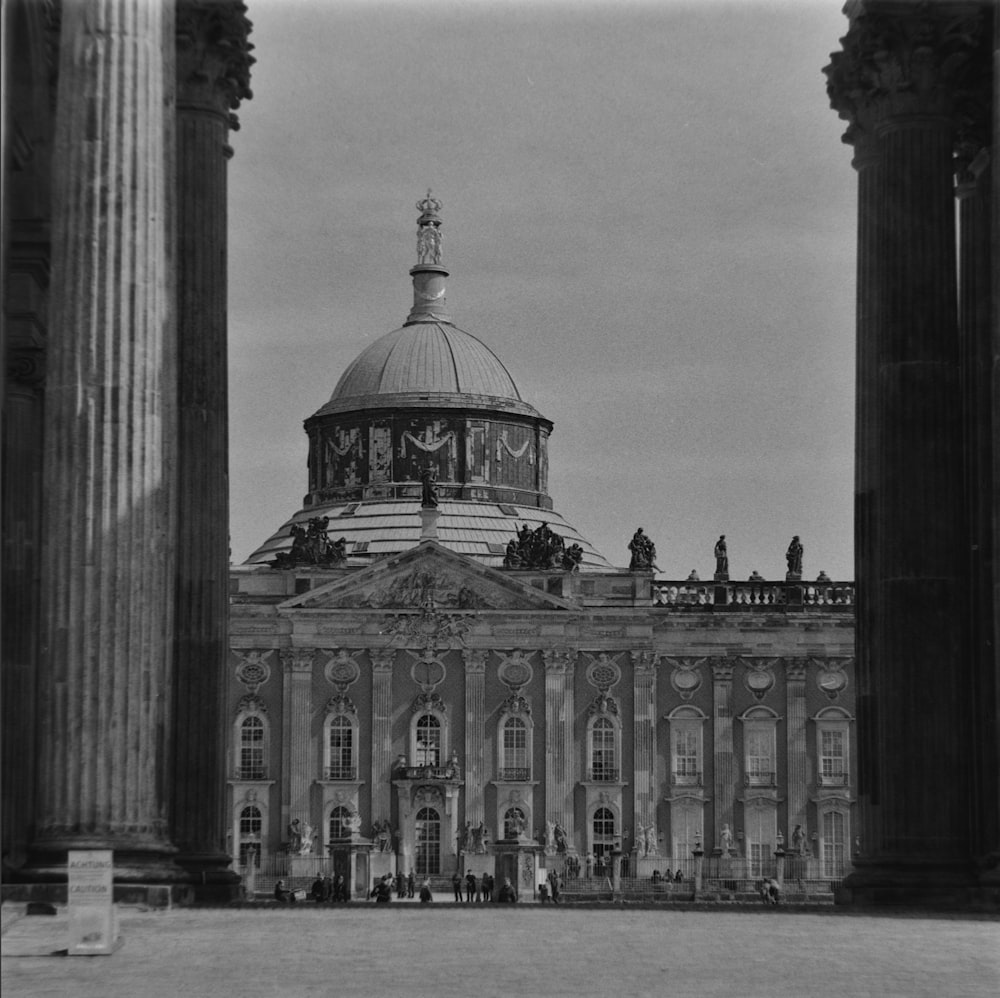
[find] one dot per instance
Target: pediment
(427, 577)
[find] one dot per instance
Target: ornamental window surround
(515, 736)
(251, 745)
(340, 741)
(833, 747)
(251, 825)
(686, 746)
(834, 836)
(603, 831)
(339, 824)
(759, 747)
(429, 739)
(603, 749)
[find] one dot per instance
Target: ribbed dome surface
(426, 358)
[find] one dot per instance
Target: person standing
(456, 883)
(507, 895)
(487, 887)
(471, 887)
(411, 884)
(425, 892)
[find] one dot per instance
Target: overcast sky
(649, 217)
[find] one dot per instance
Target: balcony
(601, 774)
(340, 773)
(426, 773)
(686, 779)
(759, 779)
(515, 775)
(250, 773)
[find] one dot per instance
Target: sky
(649, 216)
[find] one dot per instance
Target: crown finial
(429, 230)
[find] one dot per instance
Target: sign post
(93, 920)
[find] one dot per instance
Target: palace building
(431, 669)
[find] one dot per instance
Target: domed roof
(426, 357)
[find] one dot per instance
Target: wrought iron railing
(250, 773)
(759, 780)
(340, 773)
(601, 774)
(515, 774)
(686, 779)
(833, 779)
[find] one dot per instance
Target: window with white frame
(833, 843)
(428, 747)
(340, 748)
(686, 828)
(251, 824)
(340, 823)
(515, 749)
(514, 823)
(603, 826)
(759, 749)
(604, 752)
(686, 735)
(833, 746)
(760, 833)
(252, 763)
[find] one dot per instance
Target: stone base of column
(919, 885)
(210, 876)
(135, 862)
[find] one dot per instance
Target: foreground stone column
(900, 80)
(212, 77)
(110, 421)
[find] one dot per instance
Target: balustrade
(751, 595)
(602, 774)
(515, 775)
(340, 773)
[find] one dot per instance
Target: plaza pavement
(439, 950)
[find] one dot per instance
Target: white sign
(93, 921)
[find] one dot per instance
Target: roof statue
(429, 231)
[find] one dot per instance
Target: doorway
(428, 842)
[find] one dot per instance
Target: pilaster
(109, 487)
(724, 793)
(299, 770)
(382, 661)
(644, 738)
(796, 730)
(560, 748)
(475, 734)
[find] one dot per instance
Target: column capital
(382, 659)
(722, 669)
(213, 56)
(644, 663)
(559, 661)
(897, 67)
(298, 659)
(475, 660)
(795, 669)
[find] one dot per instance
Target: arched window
(686, 727)
(833, 747)
(603, 750)
(428, 842)
(340, 748)
(429, 747)
(759, 747)
(514, 823)
(252, 763)
(833, 843)
(604, 831)
(515, 749)
(339, 823)
(251, 825)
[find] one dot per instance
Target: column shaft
(644, 740)
(475, 736)
(299, 763)
(798, 771)
(722, 742)
(110, 423)
(381, 734)
(560, 744)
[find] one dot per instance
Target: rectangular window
(515, 747)
(759, 768)
(834, 845)
(832, 768)
(687, 762)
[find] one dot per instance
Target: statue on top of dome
(643, 553)
(428, 479)
(312, 546)
(429, 230)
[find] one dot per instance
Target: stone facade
(542, 723)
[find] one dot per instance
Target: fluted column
(299, 765)
(105, 677)
(797, 780)
(560, 744)
(475, 734)
(901, 78)
(212, 77)
(724, 792)
(382, 660)
(644, 738)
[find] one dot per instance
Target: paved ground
(411, 951)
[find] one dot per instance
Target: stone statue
(511, 558)
(308, 837)
(429, 244)
(640, 839)
(572, 557)
(541, 548)
(794, 558)
(726, 841)
(780, 839)
(721, 558)
(465, 838)
(798, 840)
(482, 837)
(294, 837)
(652, 845)
(428, 479)
(352, 824)
(559, 834)
(453, 770)
(311, 546)
(643, 553)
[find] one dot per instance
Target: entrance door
(428, 842)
